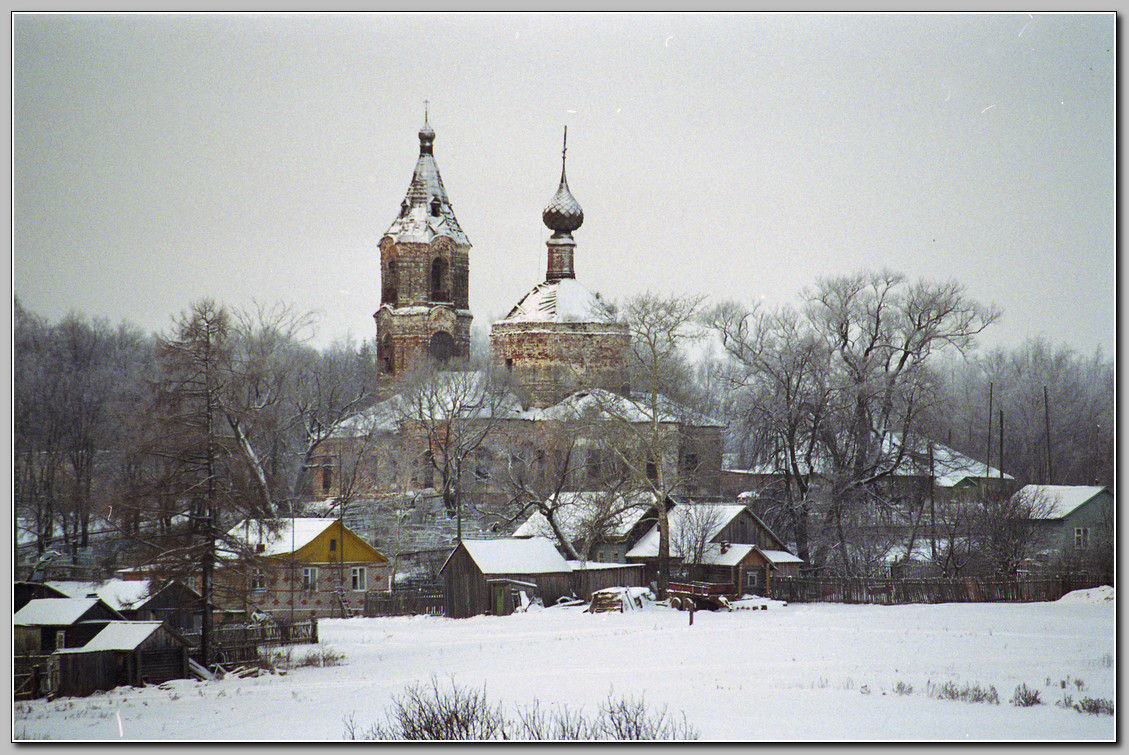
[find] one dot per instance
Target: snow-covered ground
(811, 672)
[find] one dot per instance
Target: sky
(159, 159)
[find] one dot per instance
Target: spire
(563, 214)
(426, 134)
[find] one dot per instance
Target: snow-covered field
(810, 672)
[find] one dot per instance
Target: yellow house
(299, 568)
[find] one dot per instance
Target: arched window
(436, 205)
(387, 355)
(391, 284)
(442, 346)
(438, 277)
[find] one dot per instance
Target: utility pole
(1047, 425)
(988, 457)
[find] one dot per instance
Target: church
(537, 417)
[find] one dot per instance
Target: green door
(500, 600)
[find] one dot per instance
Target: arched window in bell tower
(391, 287)
(387, 355)
(442, 346)
(438, 278)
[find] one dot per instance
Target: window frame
(361, 584)
(309, 578)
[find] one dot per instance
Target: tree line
(220, 418)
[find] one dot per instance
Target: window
(309, 578)
(690, 462)
(652, 471)
(1081, 538)
(60, 639)
(438, 277)
(258, 581)
(442, 346)
(326, 477)
(358, 578)
(332, 545)
(387, 355)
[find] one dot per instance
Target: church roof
(418, 221)
(561, 300)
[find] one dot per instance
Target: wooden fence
(931, 590)
(29, 674)
(410, 602)
(241, 642)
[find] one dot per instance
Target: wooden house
(719, 543)
(1074, 520)
(25, 592)
(299, 568)
(122, 653)
(146, 599)
(47, 624)
(485, 576)
(600, 526)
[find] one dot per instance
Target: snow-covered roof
(419, 224)
(582, 565)
(710, 516)
(48, 612)
(599, 404)
(781, 557)
(950, 467)
(119, 594)
(535, 555)
(563, 300)
(1059, 500)
(733, 555)
(118, 635)
(279, 536)
(578, 510)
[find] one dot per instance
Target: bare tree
(696, 525)
(446, 413)
(1008, 529)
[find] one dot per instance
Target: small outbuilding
(484, 576)
(47, 624)
(123, 653)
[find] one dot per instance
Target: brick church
(558, 350)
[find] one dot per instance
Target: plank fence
(240, 643)
(411, 602)
(931, 590)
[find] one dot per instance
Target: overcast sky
(159, 159)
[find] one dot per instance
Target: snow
(677, 517)
(535, 555)
(119, 635)
(800, 672)
(603, 404)
(288, 535)
(732, 555)
(53, 612)
(563, 300)
(782, 557)
(1062, 499)
(576, 509)
(1103, 594)
(119, 594)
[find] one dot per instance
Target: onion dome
(563, 214)
(426, 137)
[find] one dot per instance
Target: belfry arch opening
(442, 347)
(438, 278)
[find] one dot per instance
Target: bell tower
(425, 270)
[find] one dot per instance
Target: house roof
(280, 536)
(602, 404)
(577, 510)
(781, 557)
(53, 612)
(733, 555)
(682, 517)
(119, 594)
(950, 466)
(1061, 500)
(119, 635)
(535, 555)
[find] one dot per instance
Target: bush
(968, 694)
(903, 689)
(459, 713)
(1025, 697)
(1097, 706)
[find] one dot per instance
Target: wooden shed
(124, 652)
(47, 624)
(482, 576)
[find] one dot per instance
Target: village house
(301, 568)
(1075, 522)
(499, 575)
(143, 600)
(726, 544)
